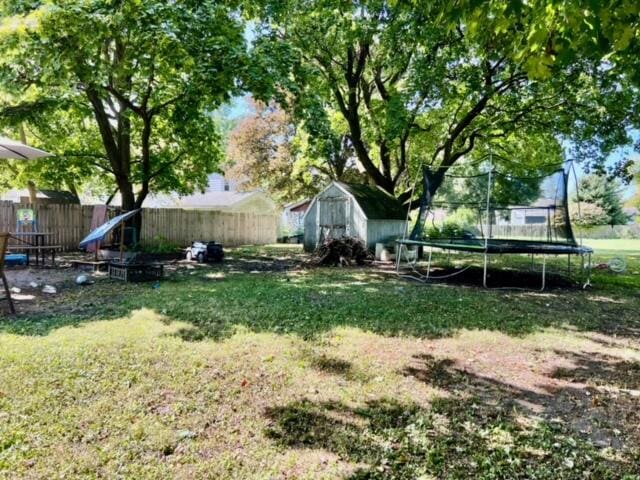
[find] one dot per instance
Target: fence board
(70, 223)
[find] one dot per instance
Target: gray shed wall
(348, 213)
(384, 231)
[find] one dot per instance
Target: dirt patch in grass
(348, 404)
(480, 405)
(321, 373)
(22, 277)
(605, 415)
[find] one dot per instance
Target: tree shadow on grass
(387, 439)
(479, 428)
(311, 302)
(598, 369)
(595, 402)
(331, 365)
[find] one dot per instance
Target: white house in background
(42, 196)
(540, 213)
(221, 195)
(292, 222)
(242, 202)
(218, 183)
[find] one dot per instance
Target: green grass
(631, 246)
(323, 373)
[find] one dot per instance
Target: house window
(535, 219)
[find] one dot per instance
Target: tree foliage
(122, 87)
(635, 172)
(602, 201)
(262, 154)
(424, 84)
(427, 83)
(267, 151)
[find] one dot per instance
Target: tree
(635, 172)
(602, 198)
(56, 130)
(128, 82)
(262, 154)
(328, 63)
(607, 33)
(423, 85)
(588, 215)
(267, 151)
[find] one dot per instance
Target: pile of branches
(342, 251)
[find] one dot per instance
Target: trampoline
(487, 212)
(501, 246)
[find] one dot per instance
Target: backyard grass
(266, 368)
(604, 247)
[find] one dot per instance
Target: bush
(461, 223)
(159, 246)
(589, 215)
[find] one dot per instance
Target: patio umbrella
(10, 149)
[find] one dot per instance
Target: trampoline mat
(498, 246)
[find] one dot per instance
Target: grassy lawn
(263, 368)
(631, 246)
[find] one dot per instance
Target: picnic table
(35, 242)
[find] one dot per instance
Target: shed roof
(59, 196)
(375, 202)
(299, 206)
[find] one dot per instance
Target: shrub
(159, 246)
(460, 223)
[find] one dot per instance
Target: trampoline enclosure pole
(588, 283)
(484, 271)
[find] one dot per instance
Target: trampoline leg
(569, 265)
(429, 263)
(544, 272)
(398, 257)
(588, 282)
(484, 271)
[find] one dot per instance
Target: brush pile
(343, 251)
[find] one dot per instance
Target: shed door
(332, 217)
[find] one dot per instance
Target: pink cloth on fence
(99, 217)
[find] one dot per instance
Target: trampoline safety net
(500, 212)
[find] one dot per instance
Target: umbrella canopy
(12, 149)
(99, 233)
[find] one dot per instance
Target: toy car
(205, 252)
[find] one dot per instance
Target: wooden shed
(361, 211)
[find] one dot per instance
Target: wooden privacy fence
(71, 223)
(183, 226)
(534, 231)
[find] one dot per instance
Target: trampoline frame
(583, 252)
(492, 246)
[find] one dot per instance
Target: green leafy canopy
(121, 87)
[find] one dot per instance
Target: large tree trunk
(117, 144)
(431, 181)
(33, 192)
